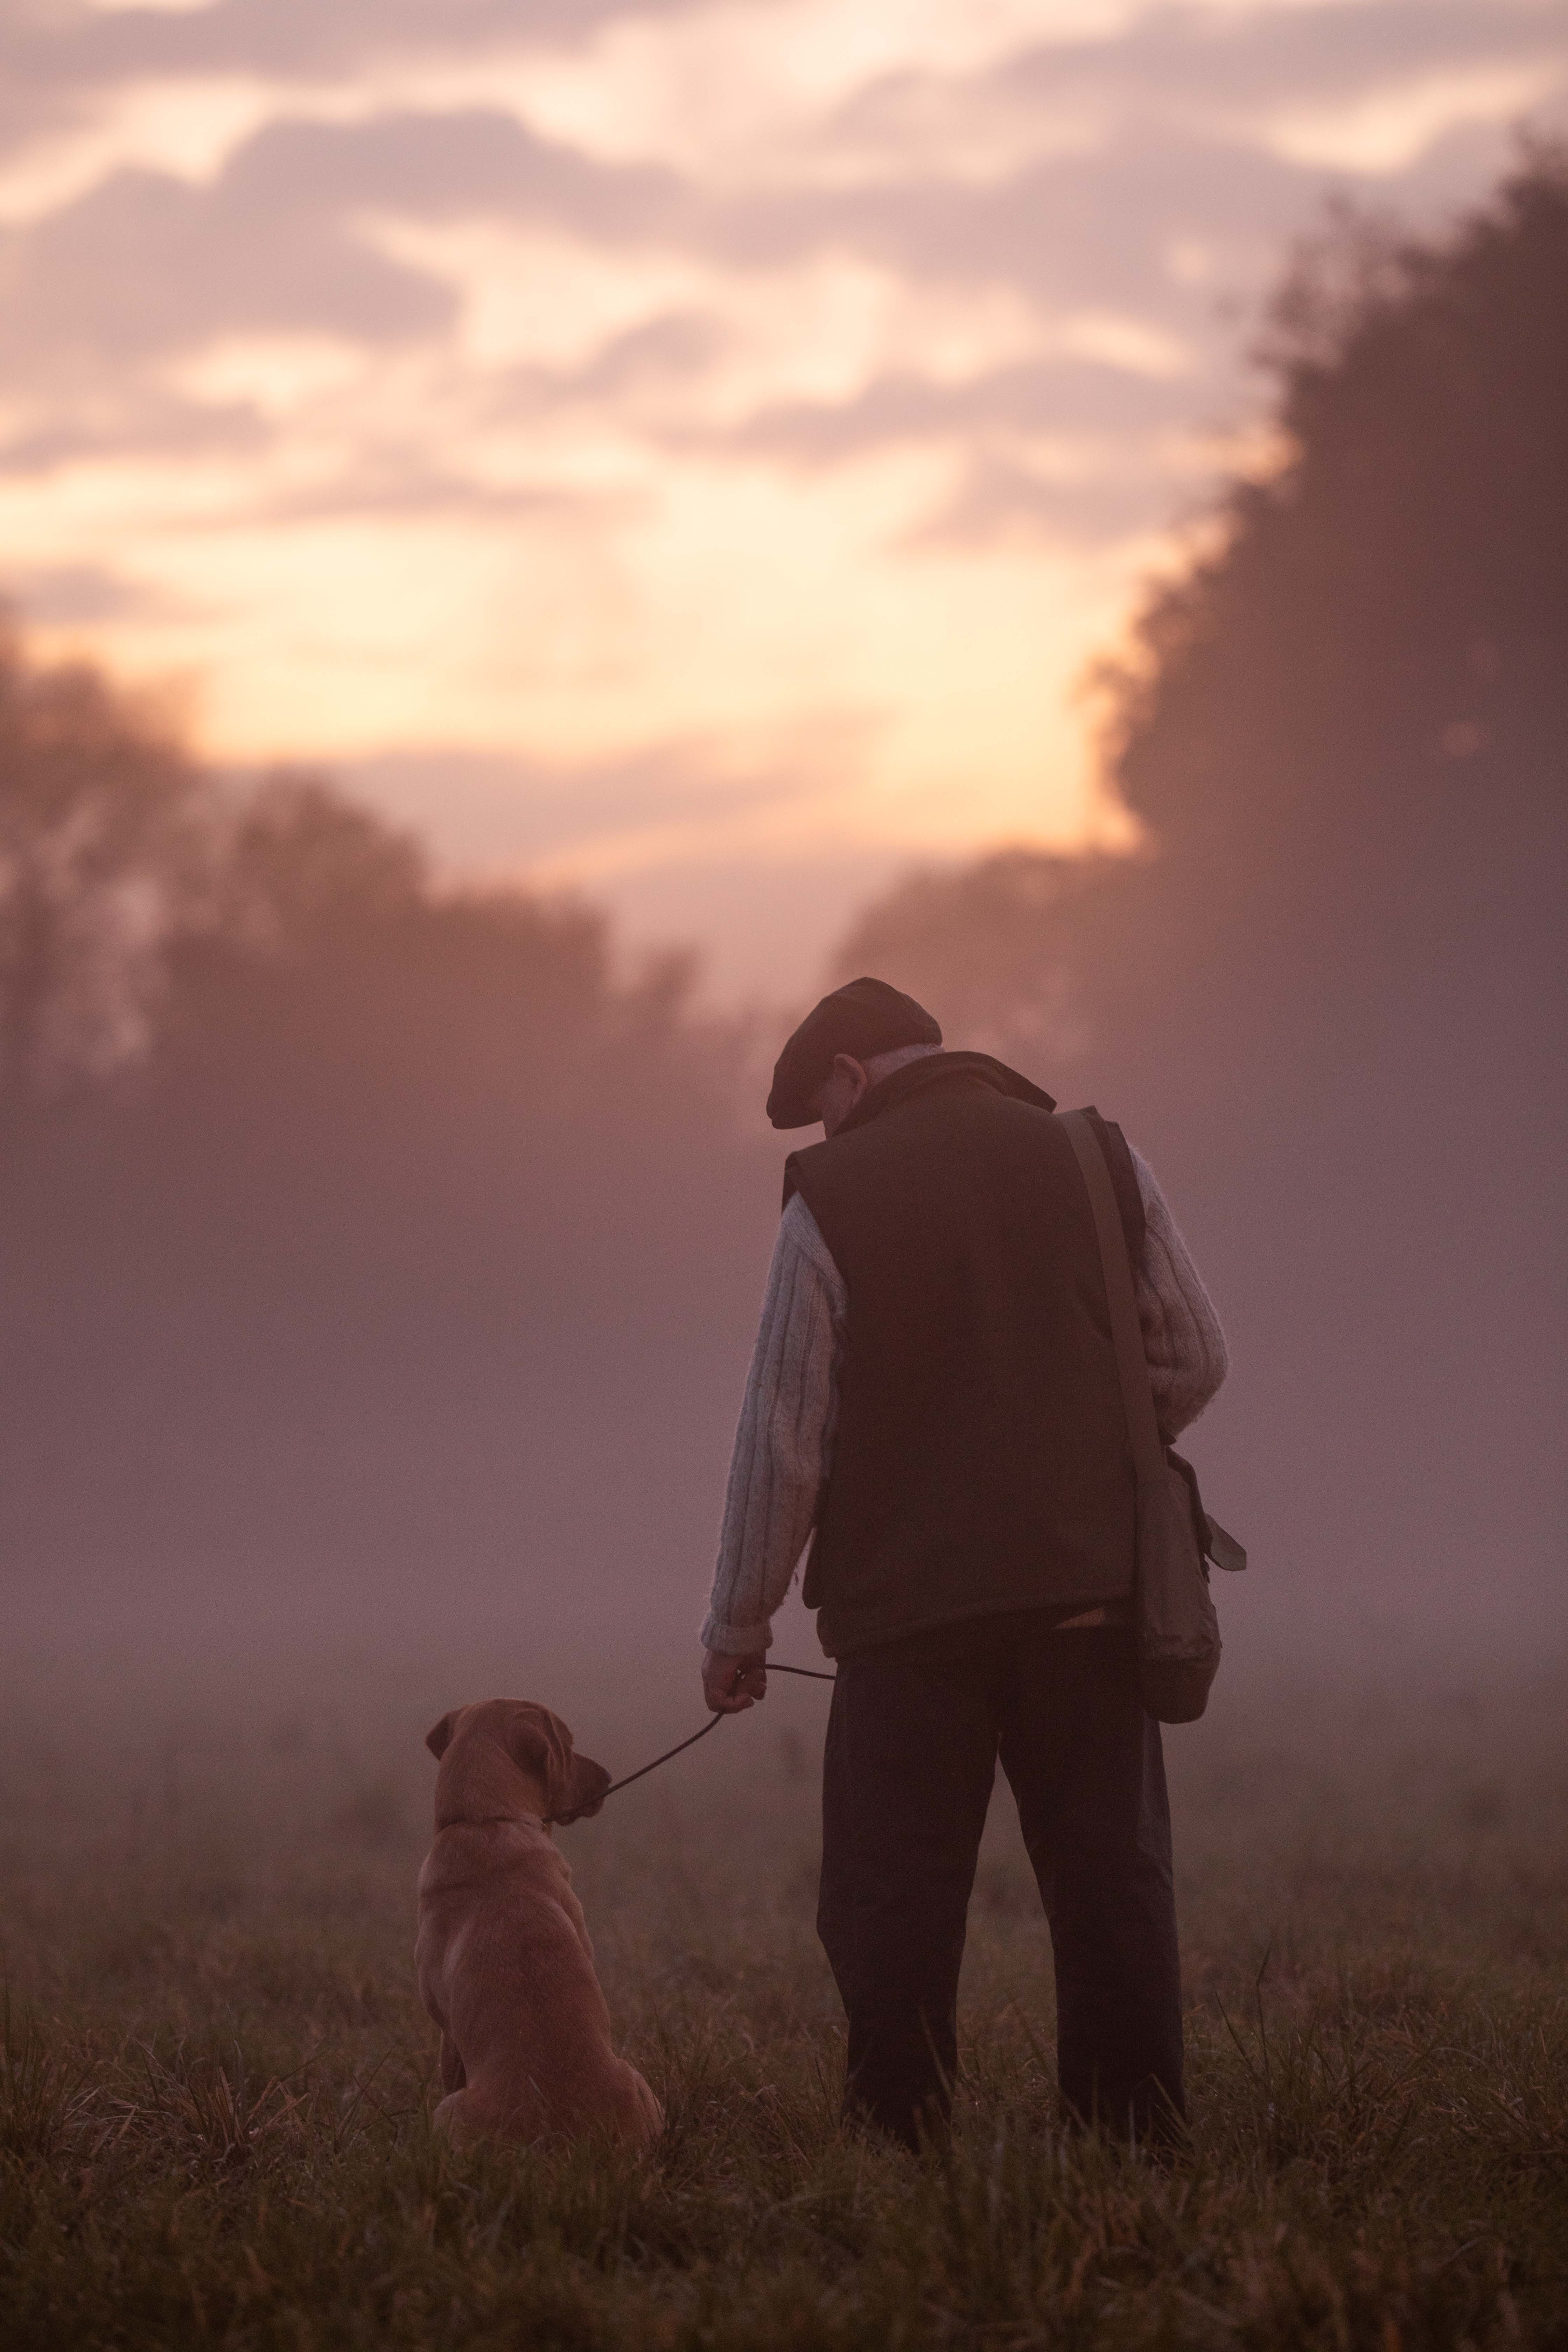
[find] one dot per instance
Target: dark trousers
(912, 1742)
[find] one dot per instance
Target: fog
(381, 1262)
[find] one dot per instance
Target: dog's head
(486, 1750)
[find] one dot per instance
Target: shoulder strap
(1131, 1364)
(1118, 1158)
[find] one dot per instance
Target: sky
(691, 453)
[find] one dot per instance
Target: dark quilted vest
(980, 1460)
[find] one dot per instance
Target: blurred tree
(1341, 725)
(414, 1228)
(1344, 728)
(96, 800)
(298, 865)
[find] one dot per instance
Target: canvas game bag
(1173, 1612)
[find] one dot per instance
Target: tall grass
(215, 2083)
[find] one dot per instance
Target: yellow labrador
(505, 1966)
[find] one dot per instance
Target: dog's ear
(573, 1785)
(535, 1743)
(439, 1738)
(586, 1785)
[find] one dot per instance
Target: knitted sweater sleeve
(783, 1443)
(1183, 1341)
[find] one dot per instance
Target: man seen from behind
(933, 1402)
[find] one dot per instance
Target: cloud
(101, 419)
(1282, 55)
(1059, 449)
(1129, 168)
(627, 378)
(1029, 397)
(1175, 189)
(672, 348)
(59, 62)
(1002, 498)
(499, 811)
(148, 264)
(1235, 56)
(73, 595)
(451, 165)
(1223, 68)
(1105, 231)
(401, 485)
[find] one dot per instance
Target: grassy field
(216, 2079)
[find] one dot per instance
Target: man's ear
(440, 1738)
(586, 1785)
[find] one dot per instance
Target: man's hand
(730, 1685)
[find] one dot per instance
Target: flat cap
(863, 1017)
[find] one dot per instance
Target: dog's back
(504, 1961)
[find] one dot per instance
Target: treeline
(1341, 723)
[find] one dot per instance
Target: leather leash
(807, 1674)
